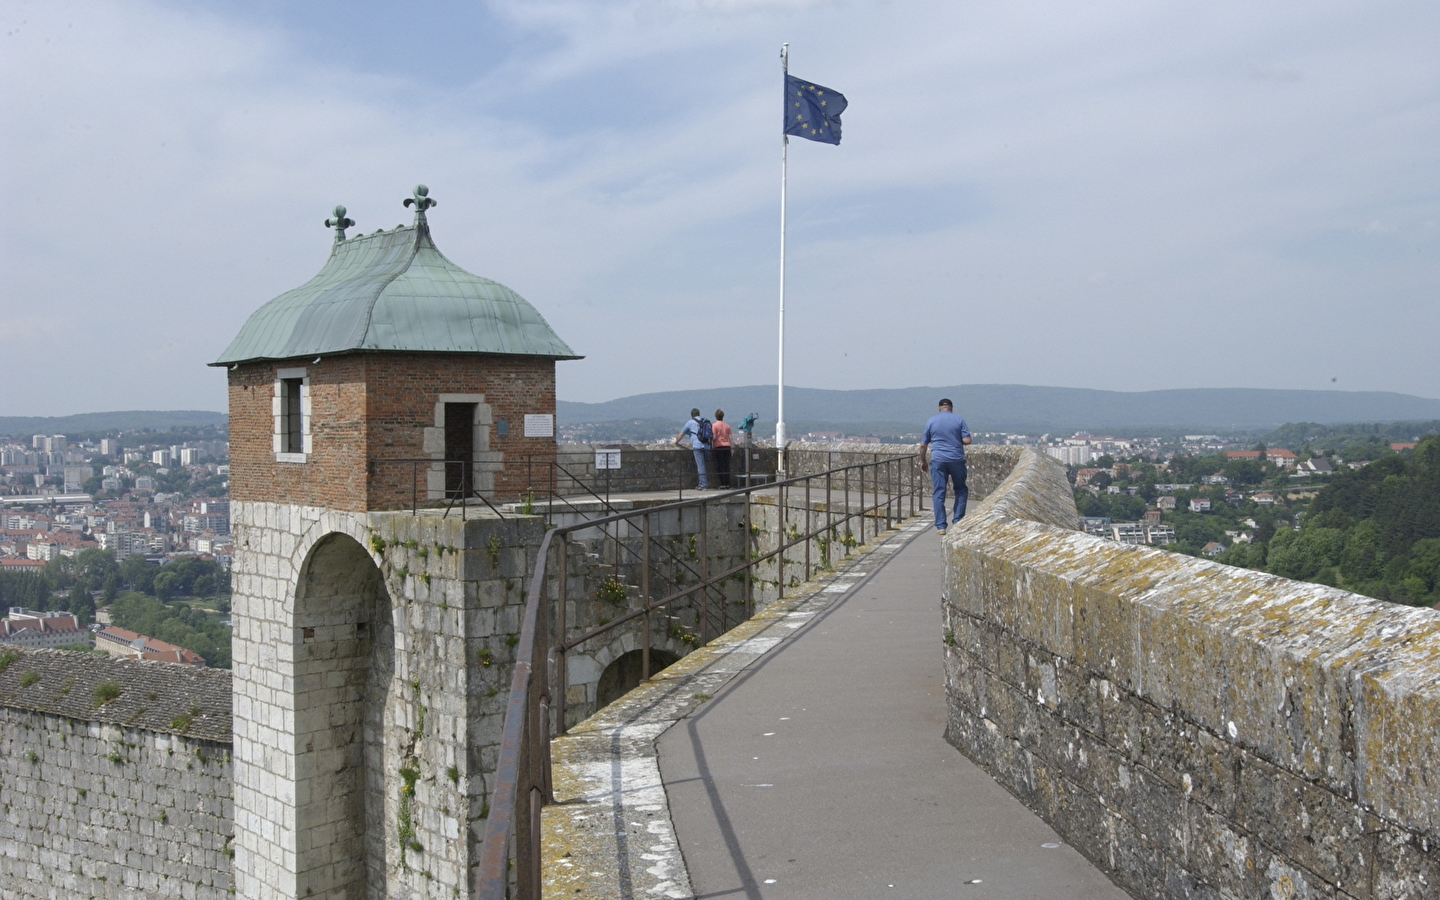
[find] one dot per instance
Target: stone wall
(371, 656)
(678, 556)
(808, 458)
(1197, 730)
(123, 798)
(643, 467)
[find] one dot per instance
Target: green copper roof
(394, 290)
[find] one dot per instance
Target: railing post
(535, 861)
(829, 517)
(910, 485)
(846, 518)
(889, 493)
(645, 596)
(862, 503)
(807, 527)
(704, 574)
(749, 554)
(547, 783)
(562, 677)
(780, 555)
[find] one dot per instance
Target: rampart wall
(643, 467)
(1197, 730)
(125, 798)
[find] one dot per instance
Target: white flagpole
(784, 149)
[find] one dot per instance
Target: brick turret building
(390, 354)
(366, 706)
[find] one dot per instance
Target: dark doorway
(459, 449)
(623, 675)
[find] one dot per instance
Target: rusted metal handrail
(522, 785)
(451, 497)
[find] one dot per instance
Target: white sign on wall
(539, 425)
(607, 459)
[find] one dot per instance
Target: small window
(292, 428)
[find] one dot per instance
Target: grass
(105, 692)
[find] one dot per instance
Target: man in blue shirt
(699, 447)
(948, 433)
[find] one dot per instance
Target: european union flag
(812, 111)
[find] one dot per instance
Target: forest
(1374, 530)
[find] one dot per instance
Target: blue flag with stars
(812, 111)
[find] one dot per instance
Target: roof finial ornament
(339, 223)
(422, 199)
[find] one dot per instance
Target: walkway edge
(609, 833)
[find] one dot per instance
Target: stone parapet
(116, 778)
(1197, 730)
(371, 654)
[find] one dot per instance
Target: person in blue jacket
(701, 447)
(947, 432)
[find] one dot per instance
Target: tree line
(1373, 530)
(75, 584)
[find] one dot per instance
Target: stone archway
(623, 674)
(344, 664)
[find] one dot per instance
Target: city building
(118, 641)
(1316, 465)
(29, 628)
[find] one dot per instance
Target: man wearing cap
(947, 432)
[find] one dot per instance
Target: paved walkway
(821, 770)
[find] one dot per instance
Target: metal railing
(459, 483)
(552, 479)
(888, 490)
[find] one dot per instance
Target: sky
(1117, 195)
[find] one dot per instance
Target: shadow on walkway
(821, 771)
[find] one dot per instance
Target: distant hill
(1018, 408)
(127, 420)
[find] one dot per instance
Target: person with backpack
(700, 432)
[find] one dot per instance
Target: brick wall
(367, 407)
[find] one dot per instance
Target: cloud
(167, 171)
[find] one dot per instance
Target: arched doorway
(623, 675)
(344, 663)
